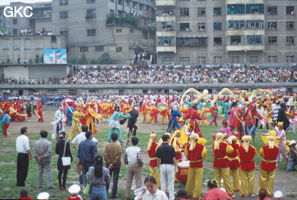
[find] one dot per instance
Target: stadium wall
(130, 89)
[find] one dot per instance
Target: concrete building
(226, 31)
(85, 25)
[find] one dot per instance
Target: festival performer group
(232, 146)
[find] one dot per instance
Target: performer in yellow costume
(151, 150)
(195, 153)
(91, 115)
(75, 127)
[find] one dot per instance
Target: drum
(182, 173)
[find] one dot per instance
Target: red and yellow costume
(176, 145)
(195, 152)
(165, 114)
(151, 150)
(75, 127)
(246, 154)
(234, 162)
(221, 163)
(153, 114)
(90, 116)
(269, 154)
(38, 112)
(144, 110)
(193, 115)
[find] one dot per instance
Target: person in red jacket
(153, 113)
(234, 162)
(247, 154)
(221, 163)
(39, 112)
(193, 115)
(214, 192)
(250, 117)
(195, 152)
(268, 165)
(151, 150)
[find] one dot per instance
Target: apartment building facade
(200, 32)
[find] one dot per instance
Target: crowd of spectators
(170, 75)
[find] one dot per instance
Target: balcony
(245, 47)
(166, 33)
(168, 18)
(244, 32)
(244, 1)
(165, 2)
(245, 17)
(166, 49)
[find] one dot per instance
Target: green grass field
(8, 165)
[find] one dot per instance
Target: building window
(236, 25)
(63, 2)
(217, 26)
(166, 60)
(272, 59)
(235, 40)
(134, 5)
(65, 33)
(167, 26)
(217, 59)
(254, 8)
(235, 59)
(112, 1)
(201, 60)
(144, 34)
(233, 9)
(184, 27)
(272, 10)
(254, 39)
(254, 59)
(166, 41)
(53, 39)
(201, 12)
(290, 59)
(217, 11)
(14, 31)
(201, 26)
(91, 32)
(120, 2)
(14, 21)
(118, 30)
(140, 6)
(63, 15)
(254, 24)
(99, 48)
(290, 41)
(91, 1)
(290, 25)
(119, 49)
(111, 11)
(271, 25)
(290, 10)
(91, 13)
(191, 42)
(184, 60)
(272, 40)
(84, 49)
(217, 41)
(184, 12)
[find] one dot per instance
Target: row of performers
(233, 163)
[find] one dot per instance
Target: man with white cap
(278, 195)
(292, 156)
(43, 196)
(74, 191)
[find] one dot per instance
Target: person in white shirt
(58, 123)
(133, 158)
(151, 191)
(81, 137)
(24, 155)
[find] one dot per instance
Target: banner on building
(55, 56)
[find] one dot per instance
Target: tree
(73, 60)
(105, 59)
(83, 60)
(30, 61)
(93, 62)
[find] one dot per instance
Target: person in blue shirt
(86, 152)
(69, 113)
(5, 122)
(173, 123)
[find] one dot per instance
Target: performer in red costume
(193, 115)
